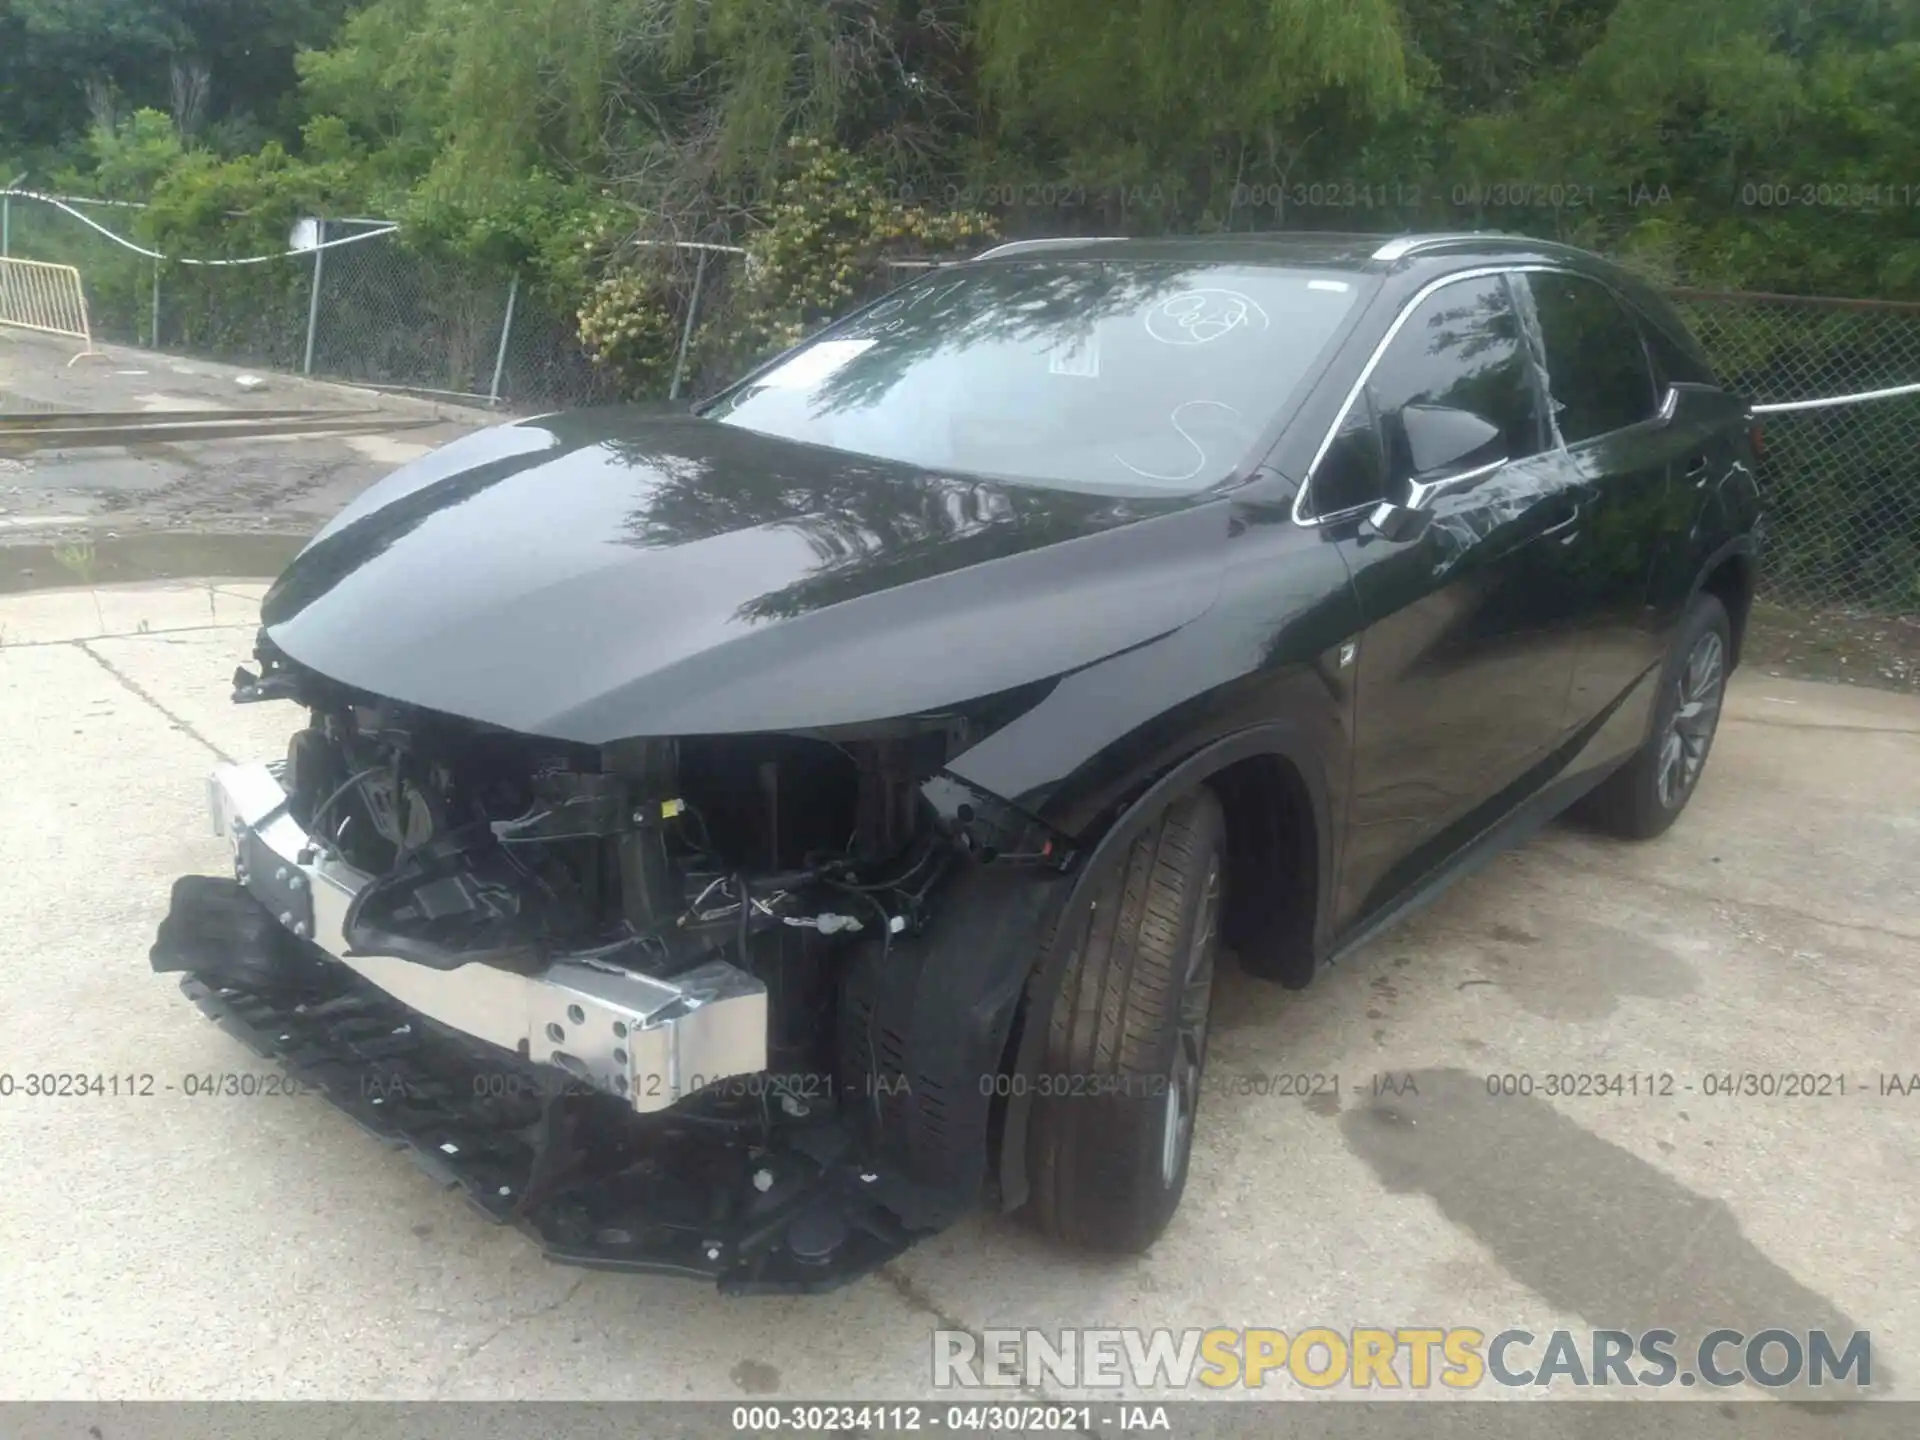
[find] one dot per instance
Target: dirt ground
(1846, 647)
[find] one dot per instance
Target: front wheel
(1646, 795)
(1119, 1089)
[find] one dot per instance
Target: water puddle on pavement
(163, 555)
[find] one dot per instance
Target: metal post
(153, 335)
(313, 301)
(506, 329)
(6, 225)
(686, 331)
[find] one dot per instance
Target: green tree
(1166, 103)
(1731, 142)
(70, 63)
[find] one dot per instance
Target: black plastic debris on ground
(704, 1190)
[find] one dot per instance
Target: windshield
(1115, 377)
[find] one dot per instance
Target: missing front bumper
(740, 1181)
(574, 1169)
(651, 1042)
(456, 1068)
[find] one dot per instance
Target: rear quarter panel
(1716, 514)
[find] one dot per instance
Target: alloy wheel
(1696, 713)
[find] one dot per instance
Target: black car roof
(1376, 253)
(1404, 263)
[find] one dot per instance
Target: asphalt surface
(167, 1247)
(286, 485)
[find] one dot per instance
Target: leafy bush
(628, 325)
(560, 233)
(126, 161)
(828, 235)
(204, 205)
(824, 245)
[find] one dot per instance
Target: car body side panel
(1259, 675)
(1612, 349)
(1267, 650)
(1604, 740)
(1463, 673)
(1716, 511)
(1688, 500)
(1632, 504)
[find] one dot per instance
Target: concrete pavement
(166, 1247)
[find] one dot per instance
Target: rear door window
(1597, 368)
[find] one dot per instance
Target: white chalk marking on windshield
(1339, 287)
(1194, 317)
(1173, 418)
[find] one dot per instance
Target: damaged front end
(716, 1005)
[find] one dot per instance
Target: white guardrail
(46, 298)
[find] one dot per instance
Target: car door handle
(1564, 526)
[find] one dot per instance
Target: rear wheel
(1119, 1089)
(1646, 795)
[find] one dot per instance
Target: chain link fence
(119, 283)
(382, 314)
(375, 313)
(1841, 468)
(1841, 475)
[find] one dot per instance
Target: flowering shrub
(629, 324)
(822, 248)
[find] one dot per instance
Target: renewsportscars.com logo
(1403, 1358)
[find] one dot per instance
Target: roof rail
(1020, 247)
(1402, 246)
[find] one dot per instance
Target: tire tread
(1117, 1005)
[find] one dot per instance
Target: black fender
(923, 1027)
(1746, 546)
(1724, 520)
(1043, 984)
(1737, 545)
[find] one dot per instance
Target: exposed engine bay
(650, 855)
(809, 862)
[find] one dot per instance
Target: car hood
(600, 575)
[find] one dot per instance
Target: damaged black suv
(741, 842)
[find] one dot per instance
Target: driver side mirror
(1441, 438)
(1451, 450)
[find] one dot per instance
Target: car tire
(1118, 1091)
(1645, 796)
